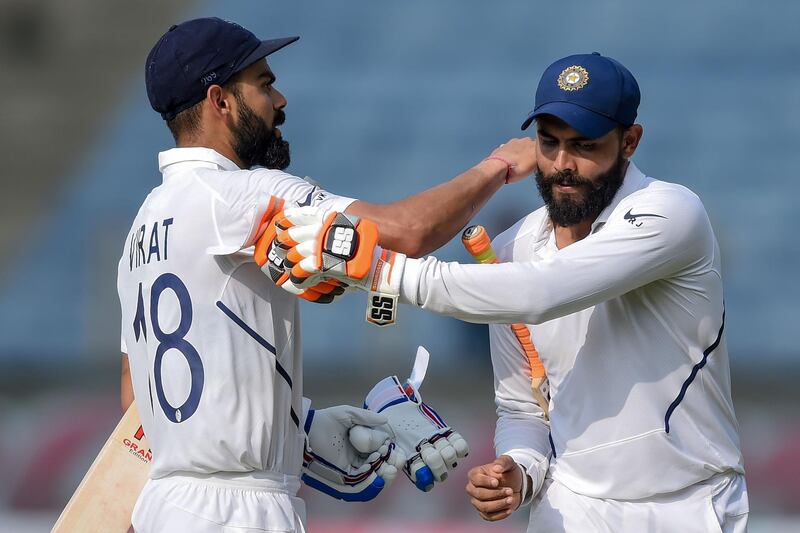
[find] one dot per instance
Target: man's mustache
(280, 118)
(567, 178)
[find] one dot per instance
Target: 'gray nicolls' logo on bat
(633, 217)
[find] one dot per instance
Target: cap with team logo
(590, 92)
(197, 53)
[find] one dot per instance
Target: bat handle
(477, 242)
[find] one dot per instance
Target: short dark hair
(187, 122)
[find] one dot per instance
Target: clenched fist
(495, 489)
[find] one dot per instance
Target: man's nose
(278, 100)
(565, 161)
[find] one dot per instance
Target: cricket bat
(477, 242)
(104, 500)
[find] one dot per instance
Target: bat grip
(477, 242)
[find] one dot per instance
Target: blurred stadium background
(384, 100)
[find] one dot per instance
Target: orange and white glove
(270, 257)
(328, 245)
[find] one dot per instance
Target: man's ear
(220, 100)
(630, 140)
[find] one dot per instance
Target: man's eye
(547, 142)
(586, 146)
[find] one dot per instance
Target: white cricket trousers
(251, 502)
(716, 505)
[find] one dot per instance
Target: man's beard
(255, 143)
(571, 209)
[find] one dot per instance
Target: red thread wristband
(508, 165)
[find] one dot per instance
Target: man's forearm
(421, 223)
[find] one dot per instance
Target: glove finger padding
(369, 439)
(433, 458)
(301, 216)
(266, 254)
(419, 431)
(273, 212)
(341, 244)
(322, 245)
(271, 258)
(419, 473)
(373, 441)
(459, 444)
(447, 452)
(291, 237)
(333, 465)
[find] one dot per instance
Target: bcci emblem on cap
(573, 78)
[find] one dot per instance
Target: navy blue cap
(592, 93)
(198, 53)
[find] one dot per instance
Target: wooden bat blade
(104, 500)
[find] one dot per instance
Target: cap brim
(264, 49)
(588, 123)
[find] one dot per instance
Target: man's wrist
(496, 167)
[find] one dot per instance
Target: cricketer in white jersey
(619, 281)
(207, 204)
(629, 323)
(213, 345)
(199, 322)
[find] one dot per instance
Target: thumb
(363, 417)
(503, 464)
(368, 440)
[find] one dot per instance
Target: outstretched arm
(619, 258)
(421, 223)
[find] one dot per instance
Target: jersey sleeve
(240, 203)
(630, 251)
(521, 431)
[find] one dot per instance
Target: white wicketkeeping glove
(349, 453)
(431, 446)
(338, 247)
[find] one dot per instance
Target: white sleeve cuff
(532, 463)
(409, 286)
(340, 203)
(526, 498)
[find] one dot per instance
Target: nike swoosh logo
(634, 216)
(307, 201)
(631, 217)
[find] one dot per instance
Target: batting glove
(332, 245)
(269, 256)
(431, 446)
(349, 453)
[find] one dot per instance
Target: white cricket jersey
(629, 324)
(213, 344)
